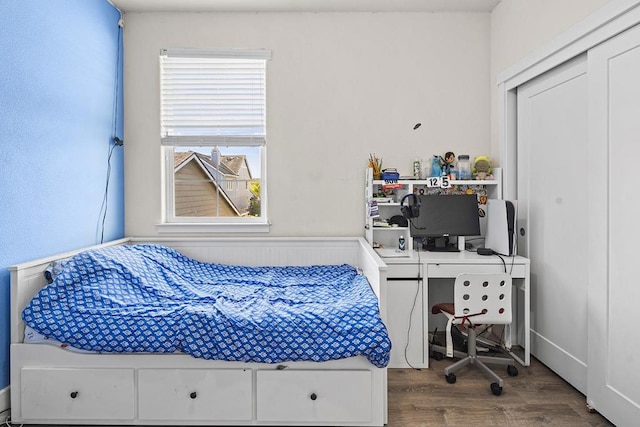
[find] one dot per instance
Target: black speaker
(412, 208)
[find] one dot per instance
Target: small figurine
(447, 163)
(436, 166)
(482, 168)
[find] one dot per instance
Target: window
(213, 133)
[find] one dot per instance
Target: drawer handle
(193, 395)
(313, 396)
(73, 394)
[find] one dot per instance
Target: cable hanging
(114, 141)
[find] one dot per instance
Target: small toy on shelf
(482, 168)
(464, 167)
(390, 174)
(447, 163)
(436, 166)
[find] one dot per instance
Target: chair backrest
(485, 298)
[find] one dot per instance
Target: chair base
(442, 350)
(480, 362)
(472, 358)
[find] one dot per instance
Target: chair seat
(443, 307)
(449, 309)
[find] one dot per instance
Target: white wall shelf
(387, 237)
(453, 182)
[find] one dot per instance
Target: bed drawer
(314, 396)
(77, 394)
(194, 394)
(452, 270)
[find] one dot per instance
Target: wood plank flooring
(536, 397)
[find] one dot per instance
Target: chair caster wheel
(451, 378)
(512, 371)
(437, 355)
(496, 389)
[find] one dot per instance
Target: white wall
(340, 86)
(518, 28)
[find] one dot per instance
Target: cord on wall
(105, 199)
(115, 140)
(413, 307)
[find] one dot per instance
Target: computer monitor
(444, 216)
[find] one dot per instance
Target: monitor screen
(447, 215)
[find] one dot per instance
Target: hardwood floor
(536, 397)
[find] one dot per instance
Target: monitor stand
(448, 248)
(440, 244)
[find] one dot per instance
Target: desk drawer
(403, 271)
(452, 270)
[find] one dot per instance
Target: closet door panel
(552, 209)
(614, 294)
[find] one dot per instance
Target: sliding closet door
(614, 228)
(552, 214)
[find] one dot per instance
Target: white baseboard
(5, 404)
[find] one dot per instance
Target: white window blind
(213, 97)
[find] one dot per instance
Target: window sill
(182, 227)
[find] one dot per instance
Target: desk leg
(527, 318)
(525, 360)
(425, 319)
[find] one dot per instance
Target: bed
(51, 384)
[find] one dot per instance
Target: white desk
(423, 266)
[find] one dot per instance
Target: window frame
(172, 223)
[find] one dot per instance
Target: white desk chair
(478, 299)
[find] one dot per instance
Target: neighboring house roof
(222, 168)
(181, 159)
(178, 158)
(229, 165)
(234, 163)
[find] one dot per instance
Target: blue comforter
(150, 298)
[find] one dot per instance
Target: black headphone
(410, 210)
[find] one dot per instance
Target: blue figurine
(436, 169)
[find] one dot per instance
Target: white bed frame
(50, 385)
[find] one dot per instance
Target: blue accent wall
(59, 74)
